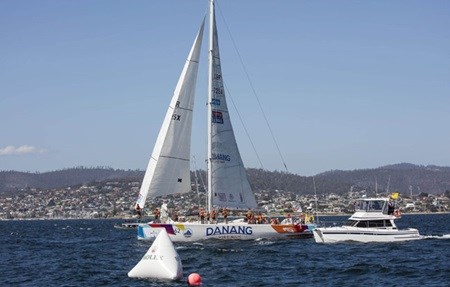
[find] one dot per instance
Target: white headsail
(227, 182)
(160, 262)
(168, 170)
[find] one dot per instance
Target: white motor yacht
(373, 221)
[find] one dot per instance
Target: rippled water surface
(94, 253)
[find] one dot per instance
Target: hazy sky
(344, 84)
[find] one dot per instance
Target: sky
(343, 84)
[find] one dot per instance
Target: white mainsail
(168, 170)
(228, 185)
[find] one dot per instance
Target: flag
(394, 195)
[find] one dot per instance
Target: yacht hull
(186, 232)
(340, 234)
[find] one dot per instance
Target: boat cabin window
(376, 223)
(369, 223)
(351, 223)
(362, 224)
(370, 205)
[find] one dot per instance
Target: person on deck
(202, 216)
(302, 218)
(310, 218)
(175, 215)
(156, 213)
(391, 207)
(138, 211)
(259, 218)
(289, 219)
(213, 216)
(225, 215)
(249, 215)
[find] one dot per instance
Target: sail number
(218, 91)
(176, 117)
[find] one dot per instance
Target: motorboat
(373, 221)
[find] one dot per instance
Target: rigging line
(253, 90)
(242, 123)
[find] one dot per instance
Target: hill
(404, 177)
(15, 180)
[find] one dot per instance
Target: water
(93, 253)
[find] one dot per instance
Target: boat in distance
(373, 221)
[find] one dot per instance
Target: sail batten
(177, 158)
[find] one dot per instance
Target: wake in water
(445, 236)
(261, 241)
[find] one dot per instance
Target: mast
(209, 110)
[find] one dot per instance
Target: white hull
(339, 234)
(189, 232)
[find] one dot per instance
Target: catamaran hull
(185, 232)
(340, 234)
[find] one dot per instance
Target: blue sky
(344, 84)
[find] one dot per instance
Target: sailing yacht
(168, 169)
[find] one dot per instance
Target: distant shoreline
(279, 215)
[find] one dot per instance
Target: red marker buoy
(194, 279)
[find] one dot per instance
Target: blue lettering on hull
(226, 230)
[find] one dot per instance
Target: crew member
(156, 213)
(202, 216)
(175, 215)
(213, 216)
(225, 215)
(138, 211)
(259, 218)
(289, 219)
(249, 215)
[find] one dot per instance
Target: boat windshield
(377, 223)
(351, 222)
(370, 205)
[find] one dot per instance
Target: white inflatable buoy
(160, 262)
